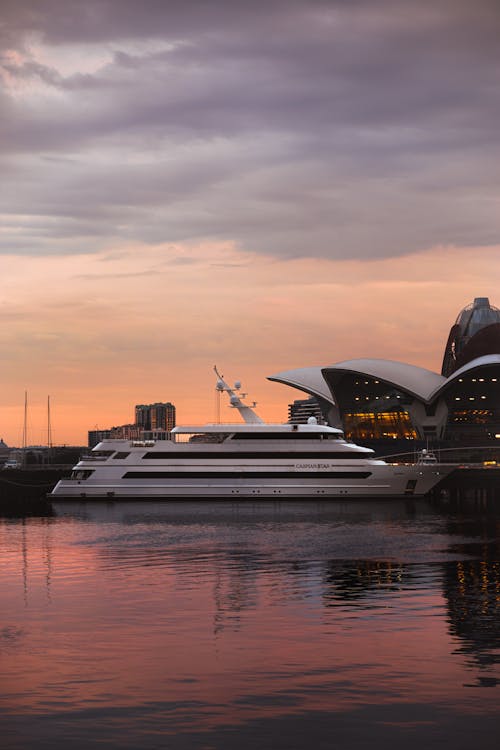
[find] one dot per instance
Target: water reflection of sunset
(200, 628)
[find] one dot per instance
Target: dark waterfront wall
(478, 485)
(23, 492)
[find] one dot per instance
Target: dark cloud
(98, 21)
(360, 128)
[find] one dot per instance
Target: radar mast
(236, 399)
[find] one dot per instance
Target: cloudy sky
(257, 185)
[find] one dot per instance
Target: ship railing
(472, 455)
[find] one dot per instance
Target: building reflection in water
(472, 590)
(261, 615)
(472, 584)
(356, 580)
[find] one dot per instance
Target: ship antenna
(236, 401)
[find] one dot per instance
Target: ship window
(121, 455)
(219, 455)
(410, 486)
(247, 474)
(200, 437)
(297, 435)
(81, 474)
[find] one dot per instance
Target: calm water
(220, 625)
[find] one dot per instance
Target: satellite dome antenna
(235, 400)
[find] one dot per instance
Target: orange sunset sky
(103, 332)
(260, 186)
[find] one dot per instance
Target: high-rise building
(303, 408)
(155, 417)
(152, 421)
(95, 436)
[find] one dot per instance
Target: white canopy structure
(429, 401)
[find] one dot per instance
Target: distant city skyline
(262, 186)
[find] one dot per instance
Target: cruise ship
(252, 459)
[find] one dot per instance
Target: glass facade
(372, 409)
(474, 406)
(378, 425)
(466, 412)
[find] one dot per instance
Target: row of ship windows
(175, 456)
(85, 474)
(245, 474)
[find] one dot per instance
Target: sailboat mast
(25, 427)
(49, 429)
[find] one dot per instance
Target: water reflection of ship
(235, 592)
(470, 583)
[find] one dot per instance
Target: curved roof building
(381, 399)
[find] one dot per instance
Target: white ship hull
(376, 480)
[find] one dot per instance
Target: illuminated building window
(375, 425)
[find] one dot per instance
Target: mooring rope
(25, 484)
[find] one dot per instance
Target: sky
(260, 186)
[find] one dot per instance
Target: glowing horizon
(92, 343)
